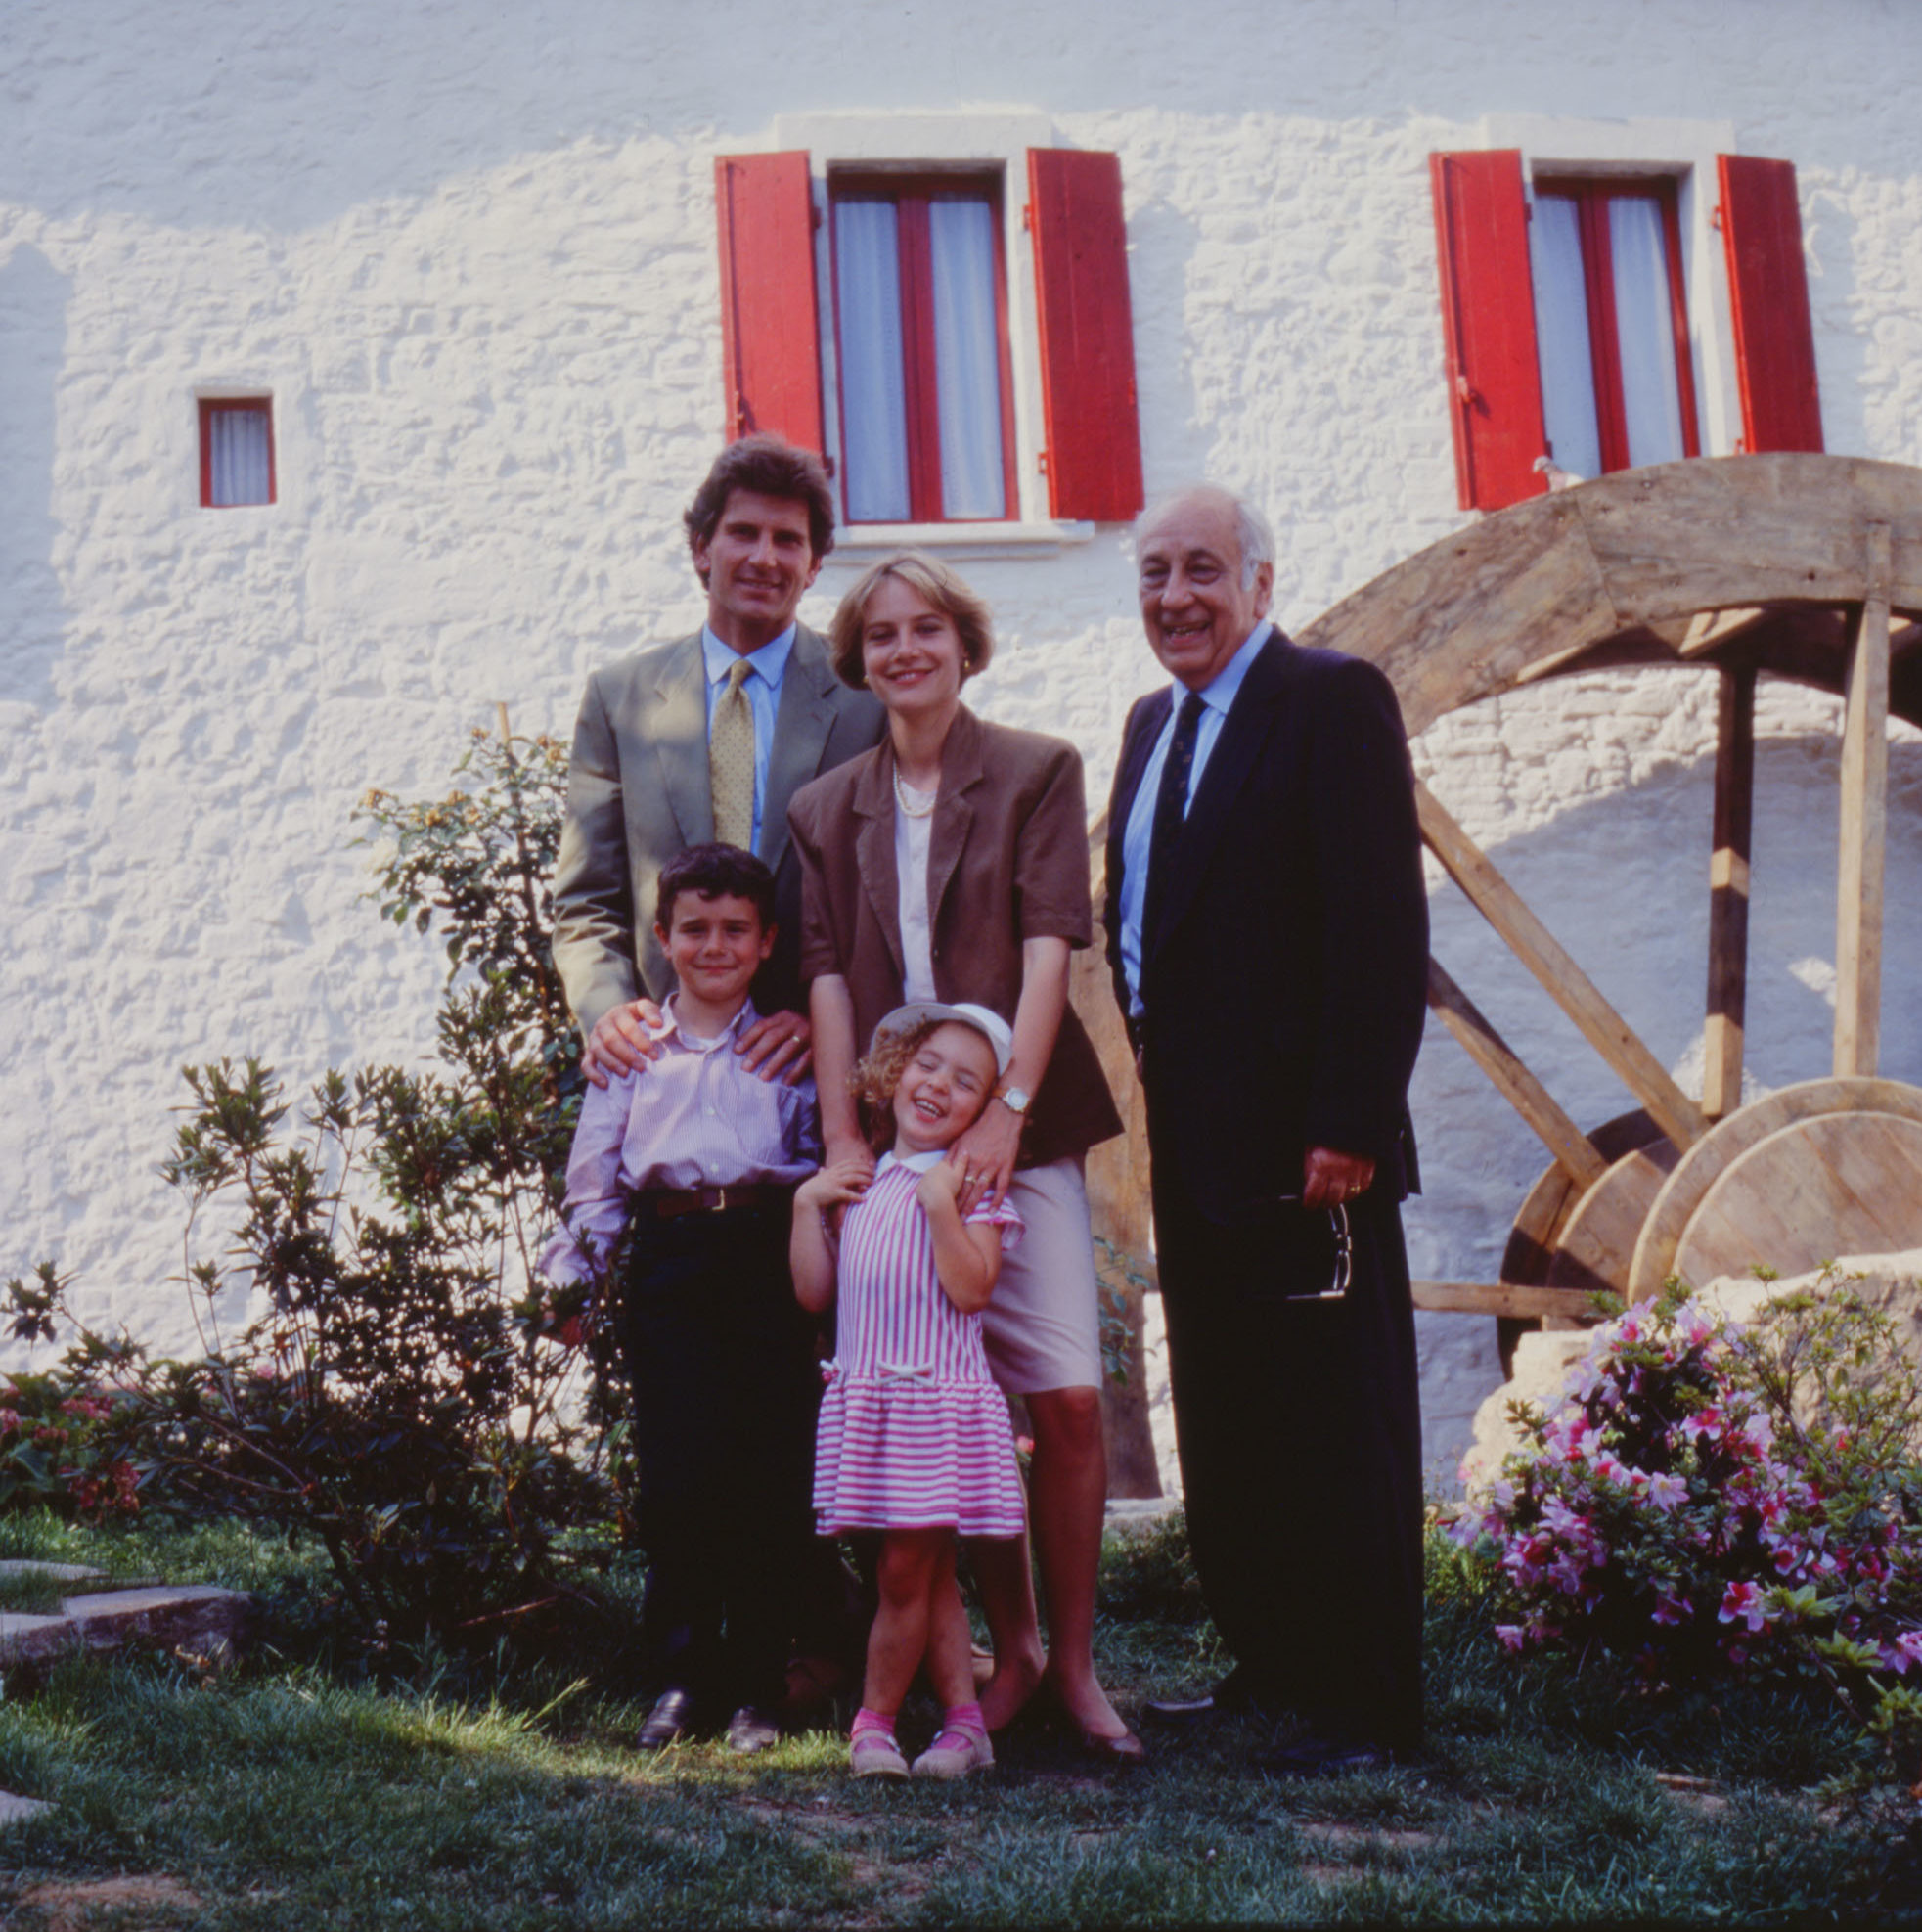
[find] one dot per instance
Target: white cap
(917, 1013)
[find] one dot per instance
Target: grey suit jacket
(638, 794)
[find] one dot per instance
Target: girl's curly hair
(874, 1079)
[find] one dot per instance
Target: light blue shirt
(763, 688)
(1215, 698)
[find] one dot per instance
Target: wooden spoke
(1864, 824)
(1611, 1036)
(1728, 893)
(1502, 1298)
(1575, 1153)
(1709, 629)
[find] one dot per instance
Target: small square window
(236, 451)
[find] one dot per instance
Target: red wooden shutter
(1088, 410)
(1768, 294)
(1488, 315)
(770, 315)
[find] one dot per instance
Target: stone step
(201, 1619)
(36, 1567)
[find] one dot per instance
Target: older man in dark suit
(1268, 931)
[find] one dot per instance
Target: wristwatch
(1015, 1099)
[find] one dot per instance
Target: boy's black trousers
(725, 1387)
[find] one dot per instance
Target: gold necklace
(906, 798)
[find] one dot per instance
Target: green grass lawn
(318, 1785)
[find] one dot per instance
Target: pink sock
(867, 1720)
(965, 1717)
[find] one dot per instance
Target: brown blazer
(1007, 861)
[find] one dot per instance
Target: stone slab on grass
(33, 1567)
(192, 1616)
(17, 1811)
(198, 1618)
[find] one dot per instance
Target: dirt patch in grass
(74, 1905)
(1354, 1837)
(1698, 1796)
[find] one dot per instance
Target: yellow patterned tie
(730, 761)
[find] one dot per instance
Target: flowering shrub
(59, 1447)
(1710, 1499)
(405, 1392)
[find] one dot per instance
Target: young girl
(914, 1438)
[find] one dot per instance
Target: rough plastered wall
(468, 247)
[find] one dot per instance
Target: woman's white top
(911, 844)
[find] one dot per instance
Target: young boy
(694, 1160)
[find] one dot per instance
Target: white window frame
(929, 143)
(1685, 152)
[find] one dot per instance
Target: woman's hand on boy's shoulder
(776, 1044)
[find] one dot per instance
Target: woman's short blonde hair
(930, 579)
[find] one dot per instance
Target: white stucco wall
(469, 249)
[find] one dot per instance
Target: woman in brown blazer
(951, 864)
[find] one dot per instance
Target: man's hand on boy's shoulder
(622, 1041)
(779, 1043)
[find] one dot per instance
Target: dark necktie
(1170, 807)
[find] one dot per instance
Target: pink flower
(1702, 1422)
(1667, 1493)
(1743, 1603)
(1513, 1637)
(1671, 1608)
(1693, 1326)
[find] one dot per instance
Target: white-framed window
(1615, 295)
(939, 305)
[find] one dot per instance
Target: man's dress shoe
(1233, 1697)
(672, 1713)
(751, 1730)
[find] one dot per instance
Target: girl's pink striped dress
(914, 1433)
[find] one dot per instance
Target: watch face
(1015, 1099)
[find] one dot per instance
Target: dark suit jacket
(1007, 861)
(1285, 982)
(637, 795)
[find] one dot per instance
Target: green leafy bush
(402, 1391)
(1712, 1500)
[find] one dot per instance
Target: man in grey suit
(652, 774)
(638, 789)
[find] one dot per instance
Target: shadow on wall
(34, 299)
(1623, 884)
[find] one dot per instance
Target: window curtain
(873, 406)
(238, 465)
(1561, 311)
(1651, 396)
(966, 358)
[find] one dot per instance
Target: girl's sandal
(876, 1754)
(958, 1751)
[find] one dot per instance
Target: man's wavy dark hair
(770, 467)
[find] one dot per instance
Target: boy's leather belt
(668, 1204)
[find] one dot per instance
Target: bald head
(1206, 563)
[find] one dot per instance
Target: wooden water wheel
(1807, 568)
